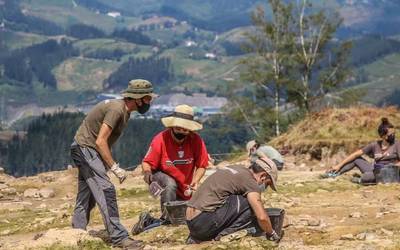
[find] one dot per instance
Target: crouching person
(176, 160)
(229, 200)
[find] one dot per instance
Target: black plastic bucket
(176, 211)
(387, 173)
(276, 216)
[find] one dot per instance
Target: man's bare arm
(102, 144)
(254, 199)
(198, 175)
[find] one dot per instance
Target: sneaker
(328, 175)
(144, 219)
(130, 244)
(356, 180)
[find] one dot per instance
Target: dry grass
(347, 128)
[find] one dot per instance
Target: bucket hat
(183, 117)
(139, 88)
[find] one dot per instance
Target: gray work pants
(169, 194)
(95, 187)
(364, 166)
(236, 214)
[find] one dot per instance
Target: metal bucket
(386, 173)
(176, 211)
(276, 216)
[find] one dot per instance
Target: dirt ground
(320, 214)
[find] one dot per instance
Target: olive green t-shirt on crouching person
(111, 112)
(226, 181)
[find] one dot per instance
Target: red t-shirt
(178, 161)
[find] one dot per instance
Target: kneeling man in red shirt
(176, 160)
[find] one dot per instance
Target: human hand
(194, 185)
(147, 177)
(119, 172)
(273, 237)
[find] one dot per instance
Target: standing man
(256, 150)
(228, 200)
(91, 153)
(177, 160)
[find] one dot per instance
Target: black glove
(147, 177)
(273, 236)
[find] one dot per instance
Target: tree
(321, 63)
(272, 45)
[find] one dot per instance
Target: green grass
(65, 14)
(84, 245)
(17, 40)
(81, 74)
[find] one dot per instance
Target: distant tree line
(37, 61)
(46, 145)
(13, 18)
(155, 69)
(372, 47)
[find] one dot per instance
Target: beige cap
(269, 167)
(182, 117)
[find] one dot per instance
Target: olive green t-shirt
(111, 112)
(226, 181)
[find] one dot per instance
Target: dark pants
(236, 214)
(169, 194)
(364, 166)
(95, 187)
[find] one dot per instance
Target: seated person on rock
(176, 160)
(255, 150)
(230, 200)
(384, 152)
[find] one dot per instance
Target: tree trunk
(277, 125)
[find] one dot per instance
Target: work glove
(147, 177)
(273, 237)
(119, 172)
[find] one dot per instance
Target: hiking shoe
(130, 244)
(328, 175)
(356, 180)
(144, 220)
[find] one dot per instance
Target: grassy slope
(83, 74)
(384, 77)
(65, 14)
(17, 40)
(335, 128)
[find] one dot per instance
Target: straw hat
(269, 167)
(182, 117)
(139, 88)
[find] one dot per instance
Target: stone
(370, 237)
(355, 215)
(9, 191)
(47, 178)
(42, 206)
(47, 221)
(234, 236)
(5, 232)
(1, 195)
(361, 236)
(347, 237)
(299, 185)
(2, 170)
(387, 232)
(313, 222)
(379, 215)
(322, 191)
(220, 246)
(3, 186)
(31, 193)
(47, 193)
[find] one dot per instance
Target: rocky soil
(35, 213)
